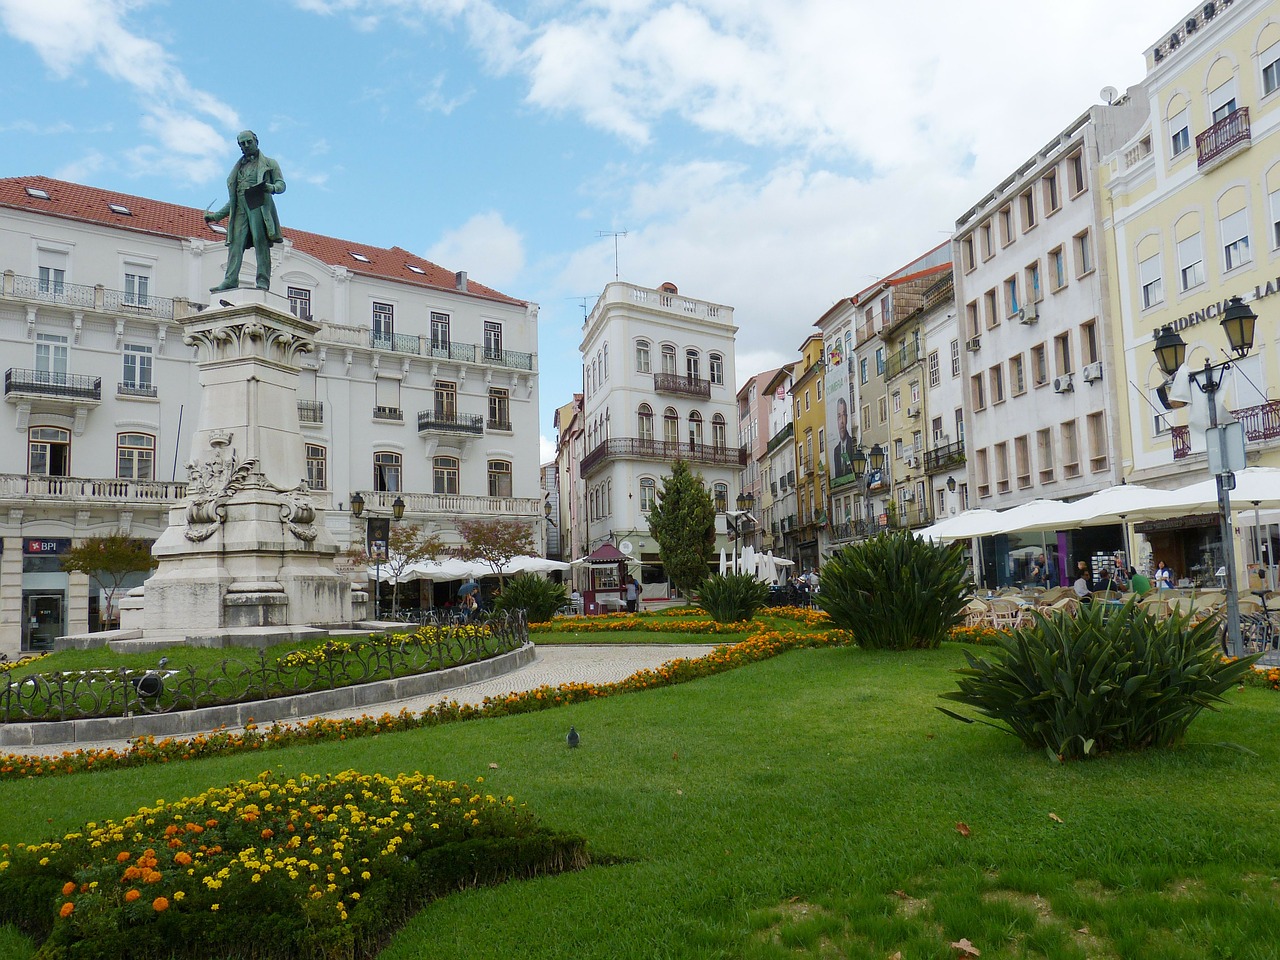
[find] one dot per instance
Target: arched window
(720, 494)
(692, 364)
(668, 358)
(499, 478)
(642, 356)
(644, 422)
(716, 362)
(670, 426)
(604, 363)
(49, 452)
(444, 474)
(648, 493)
(719, 435)
(695, 428)
(135, 456)
(386, 471)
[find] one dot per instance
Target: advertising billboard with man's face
(840, 423)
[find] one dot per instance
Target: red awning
(606, 553)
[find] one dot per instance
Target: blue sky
(773, 155)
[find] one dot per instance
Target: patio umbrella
(1257, 486)
(963, 526)
(469, 587)
(1124, 502)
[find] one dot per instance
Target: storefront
(44, 591)
(1189, 546)
(1010, 559)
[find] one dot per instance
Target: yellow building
(811, 453)
(1192, 207)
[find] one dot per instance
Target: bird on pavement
(164, 662)
(573, 739)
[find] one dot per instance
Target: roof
(74, 201)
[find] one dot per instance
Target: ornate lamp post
(864, 466)
(1238, 324)
(377, 533)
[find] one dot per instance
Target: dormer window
(360, 257)
(120, 208)
(416, 269)
(37, 193)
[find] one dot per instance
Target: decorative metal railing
(89, 488)
(394, 414)
(124, 691)
(67, 386)
(899, 360)
(452, 504)
(441, 421)
(136, 390)
(93, 298)
(635, 448)
(1222, 136)
(448, 350)
(684, 386)
(779, 438)
(944, 456)
(311, 411)
(1260, 423)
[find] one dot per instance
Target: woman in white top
(1162, 577)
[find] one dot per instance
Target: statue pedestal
(248, 549)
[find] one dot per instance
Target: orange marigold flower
(182, 859)
(68, 888)
(131, 896)
(122, 856)
(268, 833)
(67, 908)
(160, 904)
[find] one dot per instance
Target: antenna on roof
(582, 301)
(615, 234)
(1109, 94)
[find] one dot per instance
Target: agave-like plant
(732, 597)
(1108, 678)
(538, 597)
(895, 591)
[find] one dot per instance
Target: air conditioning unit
(1030, 314)
(907, 496)
(973, 344)
(1092, 372)
(913, 412)
(1063, 384)
(913, 461)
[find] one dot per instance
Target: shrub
(537, 596)
(895, 591)
(1108, 678)
(731, 598)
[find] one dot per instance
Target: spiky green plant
(895, 591)
(538, 597)
(1108, 678)
(733, 597)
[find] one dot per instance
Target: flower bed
(307, 867)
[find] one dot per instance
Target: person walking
(633, 594)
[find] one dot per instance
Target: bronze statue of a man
(250, 187)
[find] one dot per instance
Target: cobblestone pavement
(553, 665)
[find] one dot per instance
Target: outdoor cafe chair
(975, 613)
(1006, 613)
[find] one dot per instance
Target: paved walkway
(552, 666)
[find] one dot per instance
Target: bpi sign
(45, 546)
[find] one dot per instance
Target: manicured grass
(808, 806)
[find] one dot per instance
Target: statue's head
(248, 141)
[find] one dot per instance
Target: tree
(406, 544)
(109, 561)
(683, 521)
(495, 542)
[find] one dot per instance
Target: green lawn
(808, 807)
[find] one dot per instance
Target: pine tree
(683, 521)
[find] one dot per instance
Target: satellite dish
(1109, 94)
(626, 547)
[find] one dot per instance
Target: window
(136, 375)
(1070, 450)
(915, 391)
(863, 374)
(983, 472)
(440, 337)
(695, 428)
(446, 398)
(1044, 454)
(317, 474)
(1039, 365)
(604, 360)
(668, 358)
(499, 409)
(935, 369)
(996, 374)
(719, 433)
(966, 253)
(1190, 262)
(1058, 268)
(692, 364)
(1034, 294)
(897, 401)
(960, 424)
(1028, 199)
(880, 361)
(1179, 133)
(644, 422)
(300, 302)
(386, 472)
(49, 452)
(992, 310)
(493, 341)
(1275, 219)
(1017, 375)
(499, 478)
(955, 358)
(977, 392)
(137, 286)
(806, 400)
(822, 441)
(988, 250)
(973, 320)
(866, 417)
(670, 426)
(716, 362)
(444, 475)
(1006, 225)
(135, 456)
(1235, 240)
(818, 385)
(1001, 451)
(1089, 341)
(1051, 199)
(642, 356)
(1062, 354)
(1075, 173)
(53, 280)
(1097, 426)
(1222, 100)
(51, 355)
(1151, 281)
(720, 496)
(648, 493)
(1160, 419)
(1084, 254)
(1022, 461)
(1270, 60)
(884, 409)
(1011, 296)
(383, 320)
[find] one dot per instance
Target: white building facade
(423, 385)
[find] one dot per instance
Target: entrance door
(42, 620)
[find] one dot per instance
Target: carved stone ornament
(298, 513)
(251, 338)
(211, 484)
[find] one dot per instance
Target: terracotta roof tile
(74, 201)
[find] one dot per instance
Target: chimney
(460, 280)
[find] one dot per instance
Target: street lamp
(864, 465)
(377, 533)
(1238, 324)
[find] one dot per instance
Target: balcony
(634, 448)
(684, 386)
(1260, 423)
(82, 296)
(448, 350)
(944, 457)
(1224, 139)
(502, 425)
(452, 504)
(781, 437)
(447, 421)
(899, 360)
(311, 411)
(388, 414)
(28, 384)
(144, 391)
(908, 516)
(87, 489)
(396, 343)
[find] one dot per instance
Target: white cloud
(434, 99)
(487, 247)
(82, 170)
(546, 449)
(68, 34)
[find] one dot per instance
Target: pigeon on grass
(573, 739)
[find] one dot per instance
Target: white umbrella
(449, 569)
(1126, 501)
(724, 563)
(1036, 515)
(747, 560)
(971, 523)
(1254, 486)
(783, 562)
(526, 564)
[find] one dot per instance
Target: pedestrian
(1139, 583)
(1081, 585)
(633, 594)
(1163, 576)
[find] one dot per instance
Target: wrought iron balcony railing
(944, 456)
(447, 421)
(1260, 423)
(42, 383)
(311, 411)
(899, 360)
(136, 390)
(634, 448)
(1230, 132)
(685, 386)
